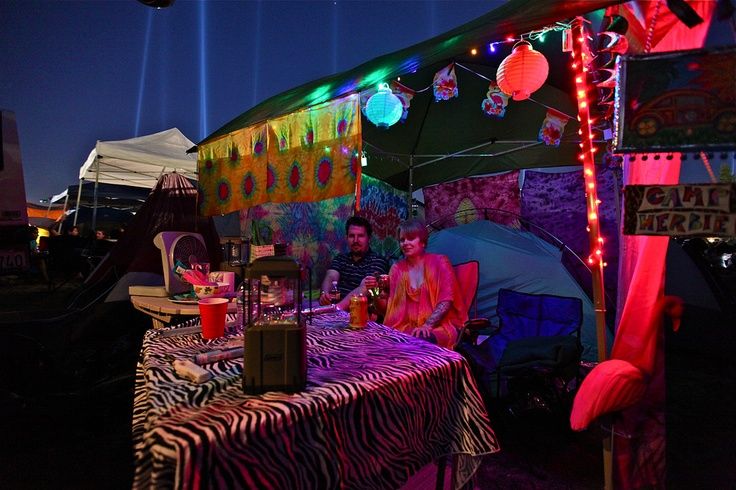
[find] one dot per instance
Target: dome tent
(514, 259)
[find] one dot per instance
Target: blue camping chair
(537, 335)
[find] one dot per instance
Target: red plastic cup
(213, 311)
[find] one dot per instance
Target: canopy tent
(455, 135)
(138, 162)
(118, 196)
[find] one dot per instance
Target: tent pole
(79, 198)
(595, 241)
(61, 221)
(94, 205)
(410, 207)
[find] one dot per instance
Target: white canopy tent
(140, 161)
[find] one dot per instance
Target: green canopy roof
(453, 139)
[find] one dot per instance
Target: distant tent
(513, 259)
(108, 219)
(113, 195)
(171, 206)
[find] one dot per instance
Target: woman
(424, 300)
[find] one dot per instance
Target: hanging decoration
(445, 83)
(522, 72)
(404, 93)
(552, 128)
(383, 109)
(305, 156)
(495, 102)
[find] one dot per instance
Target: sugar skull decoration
(495, 102)
(552, 128)
(445, 83)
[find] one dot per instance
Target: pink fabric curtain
(640, 462)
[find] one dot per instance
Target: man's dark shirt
(351, 272)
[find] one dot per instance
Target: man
(354, 271)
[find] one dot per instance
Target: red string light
(587, 157)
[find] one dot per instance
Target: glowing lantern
(383, 109)
(522, 72)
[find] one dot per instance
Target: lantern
(383, 109)
(522, 72)
(275, 335)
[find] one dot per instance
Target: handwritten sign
(258, 251)
(680, 210)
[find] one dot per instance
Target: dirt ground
(76, 432)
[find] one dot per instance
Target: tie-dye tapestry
(463, 200)
(315, 232)
(556, 202)
(306, 156)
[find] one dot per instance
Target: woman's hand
(423, 332)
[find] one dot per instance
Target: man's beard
(357, 254)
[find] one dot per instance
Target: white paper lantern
(383, 109)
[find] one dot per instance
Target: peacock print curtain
(305, 156)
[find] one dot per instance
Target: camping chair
(467, 275)
(538, 336)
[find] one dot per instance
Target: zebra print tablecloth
(378, 406)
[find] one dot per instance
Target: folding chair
(538, 336)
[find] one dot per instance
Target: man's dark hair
(359, 221)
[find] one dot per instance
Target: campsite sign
(680, 210)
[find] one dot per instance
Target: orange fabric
(409, 308)
(467, 275)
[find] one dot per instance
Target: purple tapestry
(462, 201)
(556, 202)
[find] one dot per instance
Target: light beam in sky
(256, 55)
(335, 28)
(202, 71)
(144, 66)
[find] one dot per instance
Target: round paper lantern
(383, 109)
(522, 72)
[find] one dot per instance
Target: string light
(587, 156)
(536, 35)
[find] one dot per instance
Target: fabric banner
(556, 202)
(315, 232)
(305, 156)
(464, 200)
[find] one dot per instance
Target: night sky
(77, 72)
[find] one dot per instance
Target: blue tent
(514, 259)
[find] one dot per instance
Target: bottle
(358, 311)
(334, 293)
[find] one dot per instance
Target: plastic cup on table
(213, 312)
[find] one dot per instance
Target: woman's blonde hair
(413, 228)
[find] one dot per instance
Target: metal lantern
(522, 72)
(383, 109)
(275, 336)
